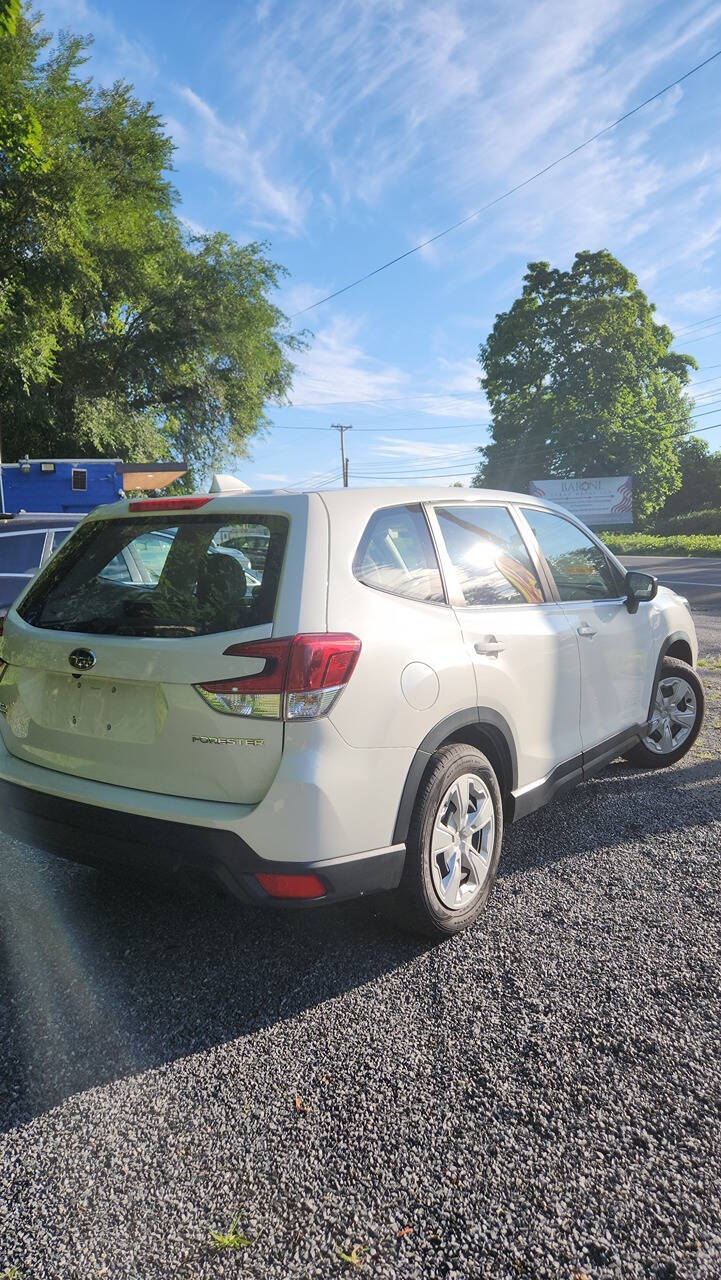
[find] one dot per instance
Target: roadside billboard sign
(597, 500)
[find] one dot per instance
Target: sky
(345, 133)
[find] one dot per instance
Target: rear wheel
(676, 717)
(453, 846)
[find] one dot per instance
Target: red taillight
(279, 886)
(169, 504)
(302, 677)
(321, 661)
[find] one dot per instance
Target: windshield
(169, 577)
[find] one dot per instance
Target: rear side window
(21, 552)
(168, 577)
(490, 558)
(396, 554)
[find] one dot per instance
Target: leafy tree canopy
(120, 333)
(581, 381)
(700, 479)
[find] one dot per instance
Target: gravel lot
(538, 1098)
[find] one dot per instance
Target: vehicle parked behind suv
(26, 543)
(409, 671)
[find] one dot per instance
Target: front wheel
(676, 717)
(453, 846)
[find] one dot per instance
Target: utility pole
(337, 426)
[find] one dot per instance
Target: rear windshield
(172, 576)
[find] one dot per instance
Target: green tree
(700, 488)
(120, 333)
(20, 132)
(581, 381)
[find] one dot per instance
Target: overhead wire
(512, 190)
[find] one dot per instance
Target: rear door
(132, 717)
(616, 647)
(523, 647)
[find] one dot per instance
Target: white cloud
(336, 369)
(337, 372)
(698, 301)
(195, 228)
(390, 447)
(225, 150)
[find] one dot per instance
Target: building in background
(79, 484)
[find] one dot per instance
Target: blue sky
(345, 133)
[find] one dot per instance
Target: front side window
(579, 568)
(21, 552)
(489, 556)
(164, 577)
(396, 554)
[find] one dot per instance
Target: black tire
(415, 904)
(643, 756)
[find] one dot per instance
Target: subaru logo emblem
(82, 659)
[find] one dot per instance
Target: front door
(615, 645)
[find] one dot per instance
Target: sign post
(597, 500)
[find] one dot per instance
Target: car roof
(27, 521)
(366, 498)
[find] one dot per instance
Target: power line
(704, 336)
(445, 473)
(512, 190)
(443, 426)
(697, 324)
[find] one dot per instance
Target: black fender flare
(475, 717)
(667, 643)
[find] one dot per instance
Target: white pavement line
(687, 582)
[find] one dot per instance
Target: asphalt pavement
(697, 578)
(536, 1099)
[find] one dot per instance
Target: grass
(230, 1239)
(673, 544)
(12, 1273)
(713, 663)
(354, 1258)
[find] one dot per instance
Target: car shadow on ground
(101, 978)
(620, 804)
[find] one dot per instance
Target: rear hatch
(139, 606)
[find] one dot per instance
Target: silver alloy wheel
(462, 841)
(674, 715)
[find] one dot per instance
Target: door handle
(488, 647)
(585, 630)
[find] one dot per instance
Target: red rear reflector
(169, 504)
(279, 886)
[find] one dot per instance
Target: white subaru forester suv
(313, 696)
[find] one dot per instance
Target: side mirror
(640, 587)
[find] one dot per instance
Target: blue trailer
(78, 484)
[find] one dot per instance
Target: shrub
(706, 521)
(656, 544)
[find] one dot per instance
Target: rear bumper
(101, 837)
